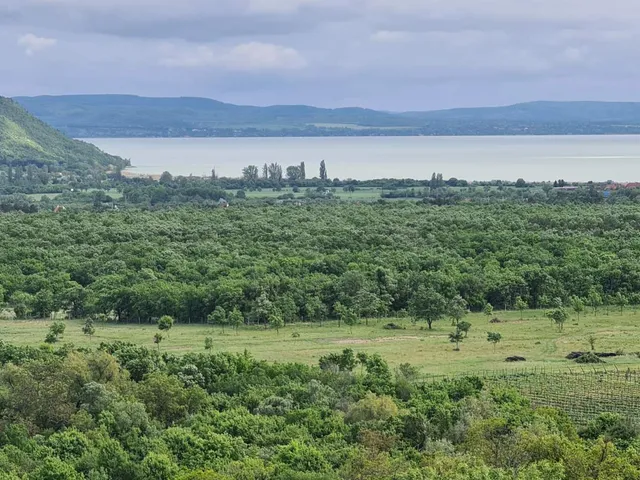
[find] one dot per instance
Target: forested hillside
(304, 261)
(132, 116)
(30, 149)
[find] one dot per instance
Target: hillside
(132, 116)
(597, 112)
(27, 141)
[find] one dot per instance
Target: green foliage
(276, 321)
(26, 141)
(208, 343)
(219, 317)
(89, 327)
(56, 330)
(305, 260)
(559, 316)
(427, 304)
(165, 323)
(521, 305)
(456, 337)
(76, 415)
(494, 337)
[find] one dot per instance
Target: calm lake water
(574, 158)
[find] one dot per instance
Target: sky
(385, 54)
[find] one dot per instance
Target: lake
(534, 158)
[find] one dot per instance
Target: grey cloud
(392, 54)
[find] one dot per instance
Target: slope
(26, 140)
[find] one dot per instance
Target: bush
(394, 326)
(589, 358)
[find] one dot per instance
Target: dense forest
(309, 261)
(125, 412)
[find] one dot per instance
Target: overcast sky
(384, 54)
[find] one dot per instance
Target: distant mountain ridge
(134, 116)
(27, 141)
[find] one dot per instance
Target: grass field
(39, 196)
(533, 338)
(361, 194)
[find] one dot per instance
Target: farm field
(533, 338)
(361, 194)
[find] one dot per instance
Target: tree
(236, 319)
(592, 342)
(427, 304)
(208, 343)
(165, 323)
(165, 178)
(265, 171)
(457, 309)
(521, 306)
(303, 171)
(323, 171)
(275, 172)
(276, 321)
(578, 305)
(349, 317)
(559, 316)
(250, 174)
(488, 310)
(594, 300)
(456, 337)
(218, 317)
(55, 331)
(157, 339)
(520, 183)
(21, 302)
(495, 338)
(621, 301)
(293, 173)
(89, 328)
(464, 327)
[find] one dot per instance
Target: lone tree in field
(236, 319)
(427, 304)
(456, 337)
(89, 328)
(457, 309)
(165, 323)
(494, 337)
(558, 316)
(578, 306)
(592, 342)
(157, 339)
(208, 343)
(521, 306)
(276, 321)
(218, 317)
(55, 331)
(464, 327)
(488, 310)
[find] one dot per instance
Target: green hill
(560, 112)
(27, 141)
(132, 116)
